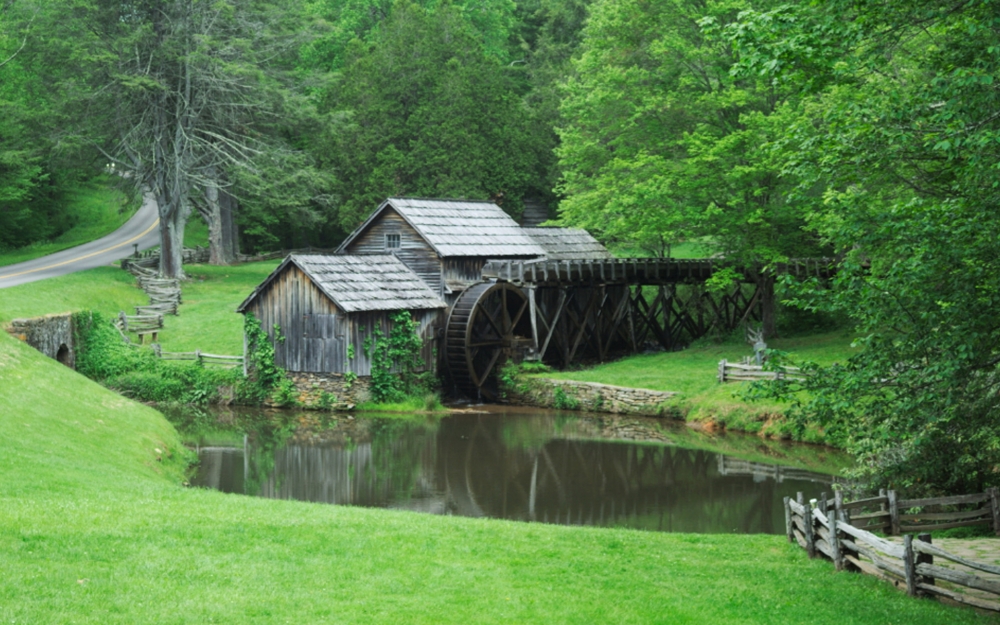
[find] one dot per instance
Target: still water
(527, 466)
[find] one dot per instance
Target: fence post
(909, 567)
(197, 356)
(822, 503)
(893, 513)
(722, 370)
(838, 558)
(788, 520)
(807, 517)
(925, 558)
(995, 504)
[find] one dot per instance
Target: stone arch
(65, 355)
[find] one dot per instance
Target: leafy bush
(136, 372)
(562, 401)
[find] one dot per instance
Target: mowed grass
(96, 207)
(693, 373)
(95, 528)
(105, 289)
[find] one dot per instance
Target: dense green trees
(426, 110)
(901, 134)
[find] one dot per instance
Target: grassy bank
(95, 207)
(96, 529)
(692, 373)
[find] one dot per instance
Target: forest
(764, 130)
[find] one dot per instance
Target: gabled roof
(458, 227)
(567, 243)
(358, 283)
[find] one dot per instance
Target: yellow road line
(73, 260)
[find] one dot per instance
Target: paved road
(141, 229)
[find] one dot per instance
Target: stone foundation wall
(52, 335)
(591, 396)
(311, 386)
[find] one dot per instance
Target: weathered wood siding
(317, 337)
(413, 250)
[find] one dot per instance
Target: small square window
(392, 241)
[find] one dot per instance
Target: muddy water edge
(511, 463)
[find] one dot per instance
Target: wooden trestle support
(562, 312)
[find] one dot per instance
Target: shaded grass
(693, 373)
(96, 530)
(95, 207)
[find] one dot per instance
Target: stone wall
(590, 396)
(312, 386)
(52, 335)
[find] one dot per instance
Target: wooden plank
(944, 526)
(799, 538)
(796, 507)
(878, 560)
(944, 501)
(867, 567)
(864, 503)
(824, 547)
(948, 516)
(872, 515)
(868, 538)
(995, 507)
(932, 550)
(958, 577)
(960, 598)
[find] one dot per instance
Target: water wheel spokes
(486, 327)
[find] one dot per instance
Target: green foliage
(661, 144)
(562, 401)
(411, 101)
(326, 400)
(263, 375)
(395, 359)
(136, 372)
(900, 138)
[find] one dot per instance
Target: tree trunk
(172, 242)
(228, 208)
(768, 305)
(218, 212)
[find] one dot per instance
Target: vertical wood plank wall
(317, 336)
(413, 251)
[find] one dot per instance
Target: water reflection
(568, 470)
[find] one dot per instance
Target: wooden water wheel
(488, 325)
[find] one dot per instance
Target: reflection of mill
(586, 482)
(525, 468)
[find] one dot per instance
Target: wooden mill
(487, 291)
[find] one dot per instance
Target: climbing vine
(264, 377)
(395, 359)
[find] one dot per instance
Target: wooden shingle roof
(359, 283)
(459, 227)
(567, 243)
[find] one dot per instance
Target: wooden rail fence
(742, 372)
(825, 528)
(202, 358)
(143, 325)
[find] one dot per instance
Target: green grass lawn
(95, 528)
(97, 208)
(693, 373)
(106, 289)
(207, 318)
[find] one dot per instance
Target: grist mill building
(417, 255)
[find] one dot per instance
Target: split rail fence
(839, 531)
(742, 372)
(202, 358)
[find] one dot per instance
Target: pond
(525, 465)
